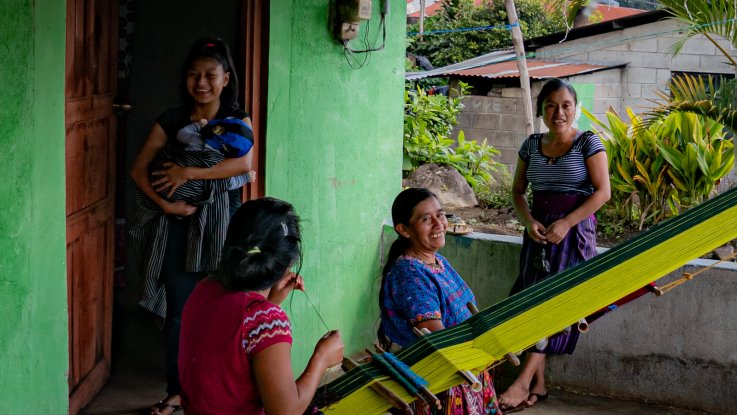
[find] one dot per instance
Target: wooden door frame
(254, 50)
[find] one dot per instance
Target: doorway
(146, 42)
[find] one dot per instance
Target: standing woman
(568, 172)
(421, 289)
(178, 241)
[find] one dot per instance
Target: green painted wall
(585, 93)
(334, 149)
(33, 301)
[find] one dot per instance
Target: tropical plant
(474, 161)
(637, 170)
(662, 168)
(710, 18)
(697, 153)
(428, 124)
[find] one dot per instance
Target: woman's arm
(272, 368)
(535, 229)
(284, 286)
(174, 175)
(139, 172)
(598, 170)
(431, 325)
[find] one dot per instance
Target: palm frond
(692, 94)
(712, 17)
(570, 8)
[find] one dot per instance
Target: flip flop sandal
(511, 409)
(539, 397)
(457, 226)
(162, 406)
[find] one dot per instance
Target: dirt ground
(504, 221)
(490, 220)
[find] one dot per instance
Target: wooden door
(91, 63)
(255, 30)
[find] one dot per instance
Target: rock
(452, 189)
(724, 252)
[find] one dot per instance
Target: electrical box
(348, 16)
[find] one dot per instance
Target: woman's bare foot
(514, 396)
(168, 406)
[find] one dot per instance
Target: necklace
(554, 159)
(551, 160)
(434, 263)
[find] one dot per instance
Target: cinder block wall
(649, 59)
(500, 118)
(677, 349)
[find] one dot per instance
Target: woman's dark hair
(213, 48)
(402, 208)
(550, 87)
(264, 240)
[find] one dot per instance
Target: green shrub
(498, 193)
(455, 46)
(428, 123)
(659, 170)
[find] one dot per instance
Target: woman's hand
(172, 177)
(330, 348)
(283, 287)
(557, 231)
(179, 208)
(537, 231)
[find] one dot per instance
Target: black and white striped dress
(148, 225)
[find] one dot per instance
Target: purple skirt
(538, 261)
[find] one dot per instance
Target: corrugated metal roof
(495, 56)
(538, 69)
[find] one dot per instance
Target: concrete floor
(137, 378)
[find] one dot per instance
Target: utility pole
(524, 76)
(422, 18)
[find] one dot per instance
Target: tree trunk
(524, 76)
(422, 18)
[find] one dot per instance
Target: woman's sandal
(457, 226)
(165, 408)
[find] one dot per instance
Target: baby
(230, 136)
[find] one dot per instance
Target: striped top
(564, 174)
(148, 230)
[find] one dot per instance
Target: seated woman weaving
(420, 289)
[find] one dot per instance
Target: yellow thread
(552, 315)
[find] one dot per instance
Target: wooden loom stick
(467, 375)
(511, 357)
(382, 390)
(673, 284)
(583, 325)
(423, 392)
(688, 277)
